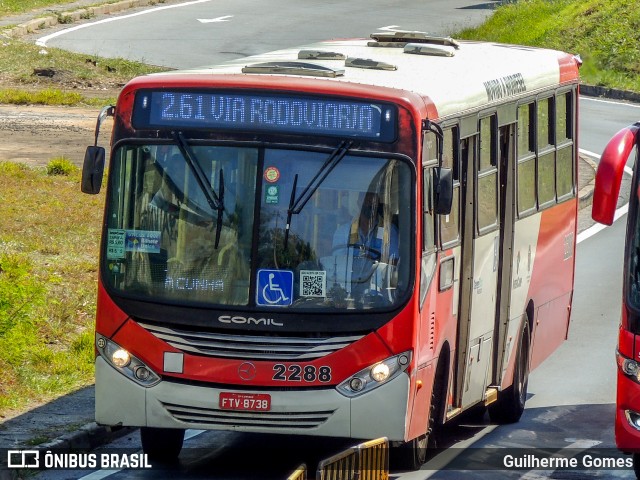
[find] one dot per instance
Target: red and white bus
(357, 238)
(605, 197)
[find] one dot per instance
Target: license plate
(254, 402)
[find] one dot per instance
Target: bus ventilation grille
(247, 347)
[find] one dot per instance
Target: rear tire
(510, 404)
(162, 444)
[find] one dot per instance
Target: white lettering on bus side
(505, 86)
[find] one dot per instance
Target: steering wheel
(365, 251)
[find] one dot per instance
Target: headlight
(375, 375)
(126, 363)
(120, 358)
(633, 418)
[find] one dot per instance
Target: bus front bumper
(325, 412)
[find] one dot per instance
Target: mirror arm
(428, 125)
(108, 111)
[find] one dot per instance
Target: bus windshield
(348, 248)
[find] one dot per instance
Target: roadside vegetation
(49, 235)
(34, 75)
(9, 7)
(605, 33)
(49, 231)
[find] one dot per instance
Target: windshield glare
(348, 248)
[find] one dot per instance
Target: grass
(9, 7)
(605, 33)
(32, 75)
(49, 235)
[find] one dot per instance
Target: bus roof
(453, 77)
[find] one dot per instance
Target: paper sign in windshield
(141, 241)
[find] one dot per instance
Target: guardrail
(365, 461)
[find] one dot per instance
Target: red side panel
(109, 318)
(609, 174)
(628, 398)
(569, 65)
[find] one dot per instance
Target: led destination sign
(275, 113)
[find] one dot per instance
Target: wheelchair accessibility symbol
(275, 288)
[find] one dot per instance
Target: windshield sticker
(143, 241)
(271, 174)
(275, 288)
(272, 195)
(313, 283)
(115, 243)
(120, 241)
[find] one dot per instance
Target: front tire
(636, 464)
(410, 455)
(413, 454)
(510, 404)
(162, 444)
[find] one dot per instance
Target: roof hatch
(435, 50)
(368, 64)
(320, 55)
(401, 39)
(293, 68)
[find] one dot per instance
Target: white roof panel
(477, 74)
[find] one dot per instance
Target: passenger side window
(450, 224)
(526, 168)
(487, 175)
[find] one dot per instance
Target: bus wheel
(413, 454)
(636, 464)
(510, 404)
(410, 455)
(162, 444)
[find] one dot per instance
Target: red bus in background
(607, 187)
(357, 238)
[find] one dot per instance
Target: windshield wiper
(216, 202)
(297, 204)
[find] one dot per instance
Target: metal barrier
(374, 459)
(365, 461)
(299, 473)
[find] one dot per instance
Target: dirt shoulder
(36, 134)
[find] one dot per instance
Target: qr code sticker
(313, 283)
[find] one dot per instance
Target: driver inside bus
(369, 239)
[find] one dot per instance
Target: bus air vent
(250, 347)
(383, 38)
(434, 50)
(320, 55)
(368, 64)
(293, 68)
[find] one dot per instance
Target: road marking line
(592, 99)
(214, 20)
(42, 41)
(100, 474)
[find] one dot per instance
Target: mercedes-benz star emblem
(247, 371)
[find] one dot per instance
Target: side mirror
(93, 170)
(93, 167)
(443, 190)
